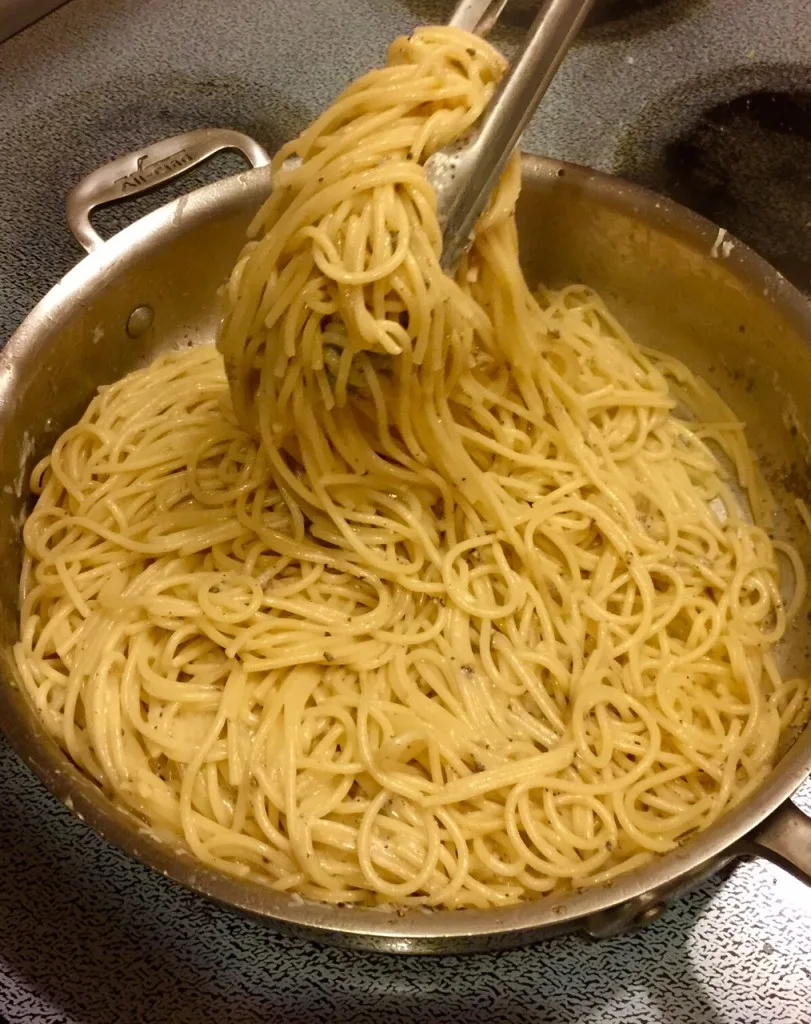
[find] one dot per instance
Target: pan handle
(783, 838)
(147, 168)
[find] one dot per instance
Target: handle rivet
(649, 914)
(140, 320)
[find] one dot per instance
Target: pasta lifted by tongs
(464, 173)
(439, 126)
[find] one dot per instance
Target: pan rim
(385, 930)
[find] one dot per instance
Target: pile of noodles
(440, 602)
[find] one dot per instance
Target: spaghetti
(431, 598)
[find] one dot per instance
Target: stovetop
(706, 100)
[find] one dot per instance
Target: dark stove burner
(744, 163)
(611, 17)
(621, 12)
(610, 10)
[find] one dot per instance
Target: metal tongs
(463, 175)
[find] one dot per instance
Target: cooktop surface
(708, 101)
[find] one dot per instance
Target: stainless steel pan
(676, 280)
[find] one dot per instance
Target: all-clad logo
(145, 174)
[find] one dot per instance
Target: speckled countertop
(86, 935)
